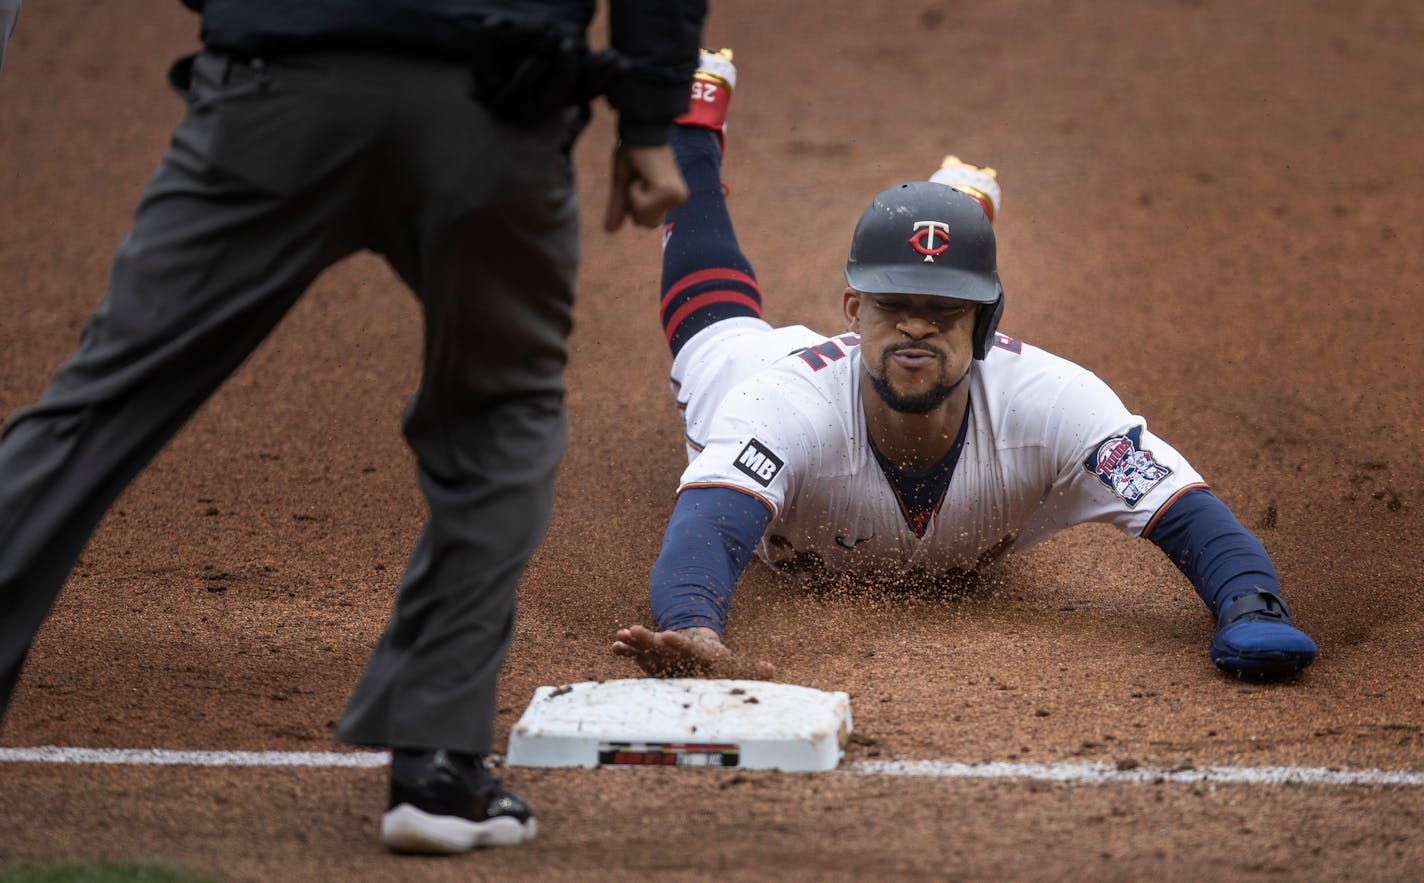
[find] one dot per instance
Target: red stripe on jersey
(704, 300)
(716, 274)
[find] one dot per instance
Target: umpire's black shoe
(1255, 637)
(445, 801)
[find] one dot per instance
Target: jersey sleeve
(1107, 465)
(759, 442)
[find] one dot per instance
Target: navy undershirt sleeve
(1220, 557)
(709, 542)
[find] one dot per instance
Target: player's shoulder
(1013, 364)
(1025, 384)
(812, 379)
(823, 359)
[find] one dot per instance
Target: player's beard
(913, 403)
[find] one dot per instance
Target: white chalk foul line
(162, 757)
(1105, 774)
(1065, 773)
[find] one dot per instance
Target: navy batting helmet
(927, 238)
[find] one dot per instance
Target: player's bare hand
(646, 184)
(694, 652)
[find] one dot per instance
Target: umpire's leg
(495, 271)
(221, 247)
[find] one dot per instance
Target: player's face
(916, 348)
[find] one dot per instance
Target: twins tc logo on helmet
(1124, 468)
(923, 240)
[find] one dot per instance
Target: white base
(736, 724)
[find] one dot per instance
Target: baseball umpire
(437, 134)
(921, 444)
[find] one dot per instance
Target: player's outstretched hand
(646, 184)
(694, 652)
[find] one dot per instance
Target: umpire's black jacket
(658, 39)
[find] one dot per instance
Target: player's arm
(1232, 572)
(1112, 469)
(1217, 554)
(1125, 472)
(709, 541)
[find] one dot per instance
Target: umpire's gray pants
(276, 172)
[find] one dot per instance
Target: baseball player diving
(918, 444)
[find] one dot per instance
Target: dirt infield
(1214, 205)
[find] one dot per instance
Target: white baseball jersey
(1047, 445)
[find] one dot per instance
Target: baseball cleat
(1255, 637)
(712, 87)
(980, 182)
(446, 802)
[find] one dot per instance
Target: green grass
(100, 872)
